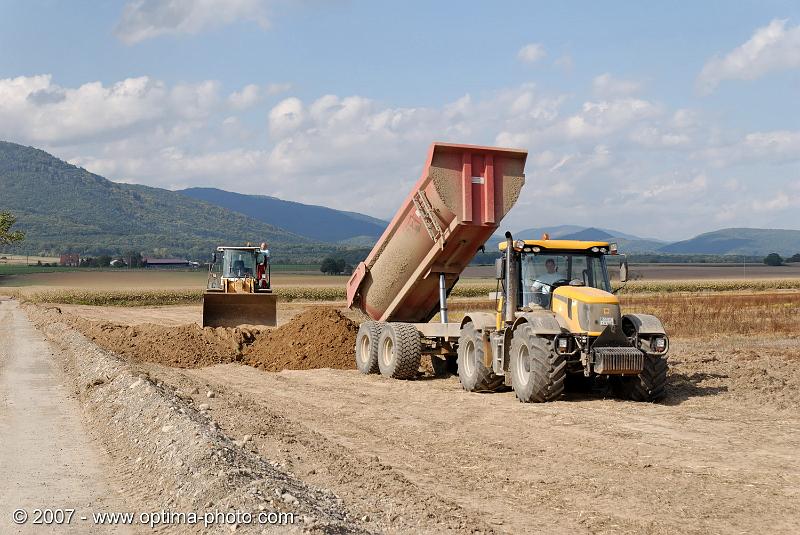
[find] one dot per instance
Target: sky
(662, 120)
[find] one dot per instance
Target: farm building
(70, 259)
(165, 263)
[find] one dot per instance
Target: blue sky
(660, 119)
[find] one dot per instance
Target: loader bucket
(232, 309)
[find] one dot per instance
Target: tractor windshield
(543, 272)
(239, 264)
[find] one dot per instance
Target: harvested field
(718, 455)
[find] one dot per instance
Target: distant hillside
(316, 222)
(739, 241)
(62, 207)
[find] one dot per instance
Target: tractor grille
(618, 360)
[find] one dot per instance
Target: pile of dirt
(181, 346)
(320, 337)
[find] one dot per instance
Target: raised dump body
(456, 205)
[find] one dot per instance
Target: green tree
(328, 266)
(8, 236)
(794, 258)
(773, 259)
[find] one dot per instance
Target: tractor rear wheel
(537, 371)
(474, 375)
(399, 351)
(649, 385)
(367, 346)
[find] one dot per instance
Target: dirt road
(46, 457)
(716, 458)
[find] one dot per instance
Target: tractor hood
(586, 310)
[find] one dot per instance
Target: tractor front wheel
(473, 373)
(537, 371)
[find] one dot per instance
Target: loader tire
(399, 351)
(367, 346)
(650, 385)
(474, 375)
(537, 371)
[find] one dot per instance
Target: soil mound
(320, 337)
(182, 346)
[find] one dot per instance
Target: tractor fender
(481, 320)
(542, 322)
(642, 324)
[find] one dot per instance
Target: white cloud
(771, 48)
(531, 53)
(249, 96)
(605, 86)
(666, 172)
(93, 111)
(145, 19)
(286, 116)
(773, 147)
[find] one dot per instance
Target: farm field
(653, 272)
(718, 452)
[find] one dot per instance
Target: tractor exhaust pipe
(512, 281)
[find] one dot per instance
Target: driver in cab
(542, 284)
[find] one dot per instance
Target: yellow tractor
(557, 316)
(239, 289)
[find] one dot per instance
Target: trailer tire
(472, 372)
(367, 346)
(650, 385)
(537, 371)
(399, 351)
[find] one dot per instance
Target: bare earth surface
(47, 459)
(719, 455)
(715, 458)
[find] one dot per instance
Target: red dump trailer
(453, 209)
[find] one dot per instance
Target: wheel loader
(238, 289)
(556, 314)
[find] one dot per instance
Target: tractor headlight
(562, 344)
(659, 344)
(518, 245)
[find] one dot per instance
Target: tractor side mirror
(623, 270)
(500, 268)
(214, 258)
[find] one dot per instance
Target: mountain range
(62, 208)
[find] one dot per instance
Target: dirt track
(719, 456)
(47, 459)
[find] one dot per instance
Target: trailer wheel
(649, 385)
(367, 346)
(472, 372)
(537, 372)
(399, 351)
